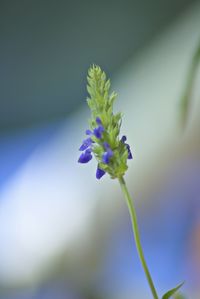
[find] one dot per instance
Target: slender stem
(137, 235)
(186, 98)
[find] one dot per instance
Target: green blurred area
(47, 47)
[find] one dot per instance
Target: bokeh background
(64, 235)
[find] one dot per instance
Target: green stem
(187, 94)
(137, 235)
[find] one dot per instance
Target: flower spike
(103, 140)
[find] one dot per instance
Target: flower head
(110, 151)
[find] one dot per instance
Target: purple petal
(99, 173)
(88, 151)
(98, 121)
(106, 156)
(129, 151)
(85, 157)
(88, 132)
(130, 155)
(86, 143)
(123, 139)
(106, 145)
(98, 131)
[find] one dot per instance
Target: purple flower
(123, 139)
(88, 132)
(98, 121)
(99, 173)
(86, 143)
(108, 154)
(85, 157)
(106, 145)
(129, 151)
(98, 131)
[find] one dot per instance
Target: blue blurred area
(16, 147)
(167, 227)
(51, 291)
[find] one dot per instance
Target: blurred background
(64, 235)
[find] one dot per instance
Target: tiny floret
(98, 131)
(88, 132)
(86, 143)
(98, 121)
(104, 142)
(129, 152)
(123, 139)
(106, 156)
(85, 157)
(99, 173)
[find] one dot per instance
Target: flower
(103, 140)
(86, 143)
(99, 173)
(85, 157)
(108, 154)
(98, 131)
(123, 139)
